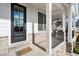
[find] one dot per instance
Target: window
(41, 21)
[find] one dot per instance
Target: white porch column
(64, 25)
(49, 27)
(70, 23)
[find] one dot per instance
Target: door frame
(12, 22)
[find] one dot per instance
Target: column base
(68, 47)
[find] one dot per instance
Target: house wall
(5, 21)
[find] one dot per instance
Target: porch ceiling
(39, 6)
(57, 8)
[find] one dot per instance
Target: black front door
(18, 23)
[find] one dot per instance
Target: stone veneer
(39, 37)
(59, 50)
(68, 47)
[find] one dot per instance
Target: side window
(41, 21)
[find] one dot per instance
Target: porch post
(70, 23)
(49, 27)
(64, 30)
(70, 28)
(64, 25)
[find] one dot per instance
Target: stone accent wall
(59, 50)
(68, 47)
(38, 37)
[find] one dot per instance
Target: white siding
(4, 27)
(4, 19)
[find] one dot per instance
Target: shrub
(76, 48)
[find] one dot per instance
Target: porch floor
(36, 51)
(43, 44)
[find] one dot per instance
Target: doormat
(23, 51)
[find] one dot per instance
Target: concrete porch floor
(43, 44)
(36, 51)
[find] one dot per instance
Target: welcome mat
(23, 51)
